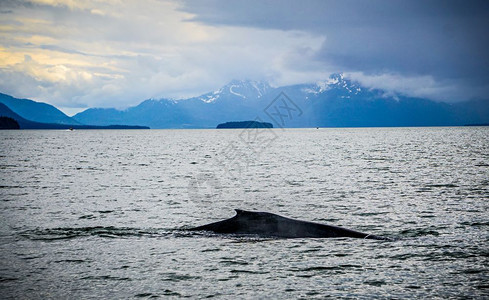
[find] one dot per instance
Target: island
(8, 123)
(244, 124)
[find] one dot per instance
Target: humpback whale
(266, 224)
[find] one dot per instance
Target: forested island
(244, 124)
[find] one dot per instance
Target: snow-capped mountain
(334, 102)
(240, 89)
(338, 82)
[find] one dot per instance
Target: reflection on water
(102, 214)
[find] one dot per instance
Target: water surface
(101, 214)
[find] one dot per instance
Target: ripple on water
(52, 234)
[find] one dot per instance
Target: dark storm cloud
(448, 40)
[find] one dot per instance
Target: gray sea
(101, 214)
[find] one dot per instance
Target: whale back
(272, 225)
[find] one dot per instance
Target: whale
(265, 224)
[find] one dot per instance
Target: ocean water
(102, 214)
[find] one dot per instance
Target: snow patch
(211, 97)
(253, 83)
(235, 93)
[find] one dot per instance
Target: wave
(62, 233)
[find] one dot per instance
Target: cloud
(109, 53)
(446, 41)
(421, 86)
(98, 53)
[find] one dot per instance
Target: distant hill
(27, 124)
(244, 124)
(36, 111)
(478, 125)
(334, 102)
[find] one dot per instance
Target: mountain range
(45, 116)
(334, 102)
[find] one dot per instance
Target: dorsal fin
(241, 212)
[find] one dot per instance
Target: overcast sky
(116, 53)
